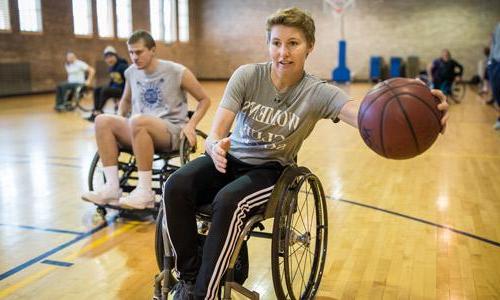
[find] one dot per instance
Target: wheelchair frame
(76, 99)
(128, 172)
(283, 205)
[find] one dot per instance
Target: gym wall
(228, 33)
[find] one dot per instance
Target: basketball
(399, 119)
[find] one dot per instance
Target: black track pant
(102, 94)
(235, 196)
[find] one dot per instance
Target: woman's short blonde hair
(293, 17)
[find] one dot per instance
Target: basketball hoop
(338, 7)
(341, 73)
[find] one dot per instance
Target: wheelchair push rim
(299, 242)
(458, 91)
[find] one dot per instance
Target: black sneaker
(184, 290)
(91, 118)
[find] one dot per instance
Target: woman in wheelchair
(276, 106)
(155, 94)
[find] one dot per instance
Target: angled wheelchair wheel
(160, 253)
(300, 233)
(81, 101)
(190, 152)
(127, 172)
(458, 91)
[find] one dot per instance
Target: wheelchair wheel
(188, 152)
(160, 250)
(458, 91)
(127, 170)
(299, 241)
(80, 100)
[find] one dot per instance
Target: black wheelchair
(164, 164)
(298, 240)
(76, 99)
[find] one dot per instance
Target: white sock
(111, 174)
(145, 178)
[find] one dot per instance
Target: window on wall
(183, 20)
(169, 21)
(123, 18)
(105, 18)
(82, 17)
(164, 15)
(30, 15)
(4, 15)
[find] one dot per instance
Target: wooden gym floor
(424, 228)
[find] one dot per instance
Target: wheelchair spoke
(306, 204)
(299, 269)
(299, 212)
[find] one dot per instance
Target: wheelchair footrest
(229, 286)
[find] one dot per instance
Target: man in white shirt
(76, 70)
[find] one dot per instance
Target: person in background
(444, 71)
(77, 71)
(494, 72)
(114, 89)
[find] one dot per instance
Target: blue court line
(473, 236)
(57, 263)
(42, 229)
(55, 250)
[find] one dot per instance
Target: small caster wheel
(101, 211)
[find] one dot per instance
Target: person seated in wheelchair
(275, 106)
(444, 71)
(79, 73)
(114, 89)
(155, 94)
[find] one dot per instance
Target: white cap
(109, 50)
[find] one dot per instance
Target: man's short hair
(143, 35)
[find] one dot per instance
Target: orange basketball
(399, 119)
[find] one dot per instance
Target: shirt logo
(150, 94)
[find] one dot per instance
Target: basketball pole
(341, 73)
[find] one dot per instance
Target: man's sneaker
(103, 195)
(138, 199)
(183, 290)
(497, 125)
(59, 108)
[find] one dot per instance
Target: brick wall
(229, 33)
(46, 51)
(233, 32)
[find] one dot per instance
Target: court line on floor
(94, 244)
(55, 250)
(461, 232)
(42, 229)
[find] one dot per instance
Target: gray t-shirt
(159, 94)
(271, 126)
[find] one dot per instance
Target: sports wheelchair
(164, 164)
(75, 99)
(298, 240)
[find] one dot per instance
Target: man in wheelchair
(80, 74)
(444, 71)
(276, 106)
(155, 95)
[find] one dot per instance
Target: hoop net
(338, 7)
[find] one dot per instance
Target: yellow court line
(31, 278)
